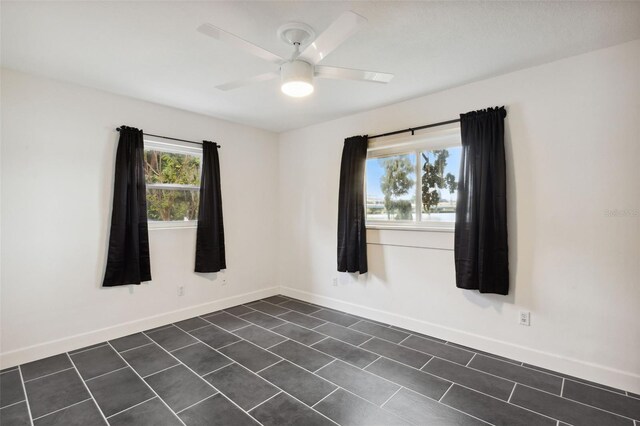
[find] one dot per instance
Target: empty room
(320, 213)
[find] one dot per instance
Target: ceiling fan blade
(341, 29)
(235, 41)
(247, 81)
(351, 74)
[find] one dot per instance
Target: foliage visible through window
(173, 184)
(413, 187)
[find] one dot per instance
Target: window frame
(157, 144)
(443, 137)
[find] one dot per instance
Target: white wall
(573, 150)
(58, 150)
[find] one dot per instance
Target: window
(172, 176)
(414, 184)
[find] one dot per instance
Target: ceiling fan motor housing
(297, 77)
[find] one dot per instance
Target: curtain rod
(175, 139)
(413, 129)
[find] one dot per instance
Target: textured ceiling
(151, 50)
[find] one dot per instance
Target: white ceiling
(151, 50)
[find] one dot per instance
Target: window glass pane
(169, 167)
(440, 170)
(172, 204)
(391, 188)
(165, 204)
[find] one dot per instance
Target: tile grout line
(512, 391)
(48, 374)
(155, 330)
(445, 392)
(133, 406)
(9, 370)
(81, 351)
(320, 368)
(202, 400)
(159, 371)
(182, 347)
(474, 355)
(392, 395)
(147, 384)
(327, 395)
(360, 345)
(562, 387)
(219, 368)
(198, 328)
(26, 397)
(276, 344)
(87, 387)
(371, 362)
(315, 343)
(400, 342)
(268, 399)
(137, 347)
(268, 366)
(425, 364)
(103, 374)
(12, 404)
(357, 322)
(224, 346)
(244, 326)
(63, 408)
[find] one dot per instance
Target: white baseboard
(579, 368)
(54, 347)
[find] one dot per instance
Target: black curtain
(210, 256)
(352, 236)
(128, 258)
(481, 254)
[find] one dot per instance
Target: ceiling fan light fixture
(297, 79)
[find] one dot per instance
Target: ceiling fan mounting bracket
(296, 33)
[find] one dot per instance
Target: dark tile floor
(281, 361)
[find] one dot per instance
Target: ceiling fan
(298, 72)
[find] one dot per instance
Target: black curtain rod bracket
(413, 129)
(175, 139)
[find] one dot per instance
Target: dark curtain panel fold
(210, 255)
(481, 254)
(128, 257)
(352, 236)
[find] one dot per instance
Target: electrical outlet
(335, 282)
(180, 290)
(525, 318)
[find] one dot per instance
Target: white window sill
(412, 227)
(173, 224)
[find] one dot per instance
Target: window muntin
(429, 190)
(172, 176)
